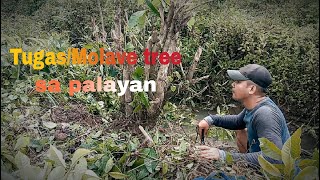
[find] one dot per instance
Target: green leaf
(170, 78)
(191, 23)
(177, 74)
(89, 174)
(138, 73)
(9, 157)
(151, 163)
(47, 168)
(143, 172)
(307, 162)
(153, 9)
(98, 134)
(49, 124)
(315, 157)
(138, 162)
(229, 158)
(137, 109)
(183, 146)
(24, 98)
(218, 110)
(148, 164)
(173, 88)
(280, 167)
(310, 172)
(55, 155)
(57, 173)
(140, 2)
(156, 3)
(79, 154)
(124, 158)
(109, 165)
(129, 47)
(12, 97)
(22, 142)
(165, 168)
(6, 176)
(268, 167)
(291, 151)
(156, 137)
(296, 144)
(131, 163)
(31, 172)
(117, 175)
(153, 153)
(270, 149)
(137, 20)
(88, 46)
(80, 168)
(21, 160)
(144, 99)
(167, 1)
(229, 134)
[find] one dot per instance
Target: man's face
(240, 90)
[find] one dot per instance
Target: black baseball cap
(254, 72)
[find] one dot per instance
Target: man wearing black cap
(260, 118)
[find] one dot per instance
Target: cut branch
(146, 135)
(194, 81)
(194, 65)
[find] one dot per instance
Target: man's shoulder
(268, 106)
(268, 112)
(264, 109)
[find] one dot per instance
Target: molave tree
(155, 31)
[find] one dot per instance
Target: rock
(60, 136)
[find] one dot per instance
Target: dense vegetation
(281, 35)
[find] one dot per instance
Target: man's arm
(233, 122)
(267, 124)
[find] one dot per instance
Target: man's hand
(208, 152)
(203, 125)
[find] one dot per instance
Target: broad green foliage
(102, 157)
(55, 155)
(54, 167)
(22, 142)
(269, 167)
(19, 80)
(290, 156)
(270, 149)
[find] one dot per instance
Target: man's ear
(253, 89)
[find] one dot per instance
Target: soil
(75, 113)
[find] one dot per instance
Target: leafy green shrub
(290, 156)
(55, 166)
(112, 155)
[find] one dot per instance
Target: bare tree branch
(194, 81)
(194, 65)
(104, 34)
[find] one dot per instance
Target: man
(260, 118)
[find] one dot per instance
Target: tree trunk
(164, 40)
